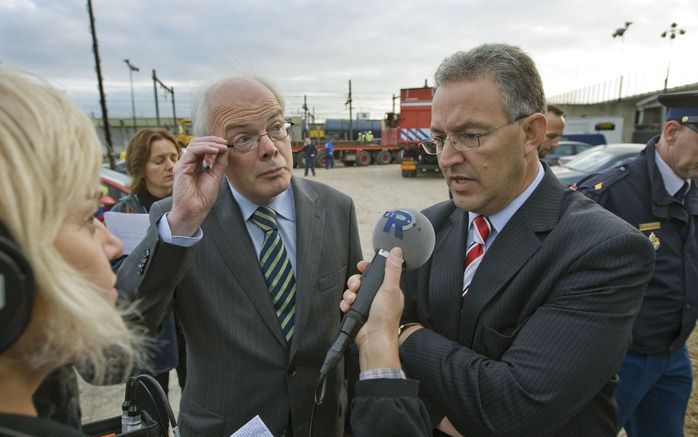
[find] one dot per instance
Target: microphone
(407, 229)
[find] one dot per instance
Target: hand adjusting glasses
(462, 141)
(244, 143)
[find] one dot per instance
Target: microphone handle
(371, 280)
(354, 319)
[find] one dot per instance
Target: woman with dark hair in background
(150, 160)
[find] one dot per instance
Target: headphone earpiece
(16, 291)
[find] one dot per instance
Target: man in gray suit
(256, 331)
(522, 316)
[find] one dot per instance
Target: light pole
(170, 90)
(100, 87)
(620, 33)
(671, 34)
(131, 69)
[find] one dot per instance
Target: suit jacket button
(292, 371)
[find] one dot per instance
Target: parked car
(565, 149)
(594, 160)
(595, 139)
(114, 187)
(120, 166)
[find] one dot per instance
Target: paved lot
(375, 189)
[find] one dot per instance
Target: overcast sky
(314, 47)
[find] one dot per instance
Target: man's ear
(670, 131)
(534, 126)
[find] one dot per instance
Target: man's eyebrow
(278, 114)
(461, 127)
(468, 125)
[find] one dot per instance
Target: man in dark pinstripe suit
(524, 336)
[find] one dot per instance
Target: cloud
(314, 47)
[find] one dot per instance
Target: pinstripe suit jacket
(238, 362)
(534, 348)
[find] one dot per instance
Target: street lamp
(620, 33)
(131, 69)
(671, 34)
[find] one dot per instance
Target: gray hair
(200, 110)
(509, 67)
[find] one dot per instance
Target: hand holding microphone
(407, 229)
(377, 339)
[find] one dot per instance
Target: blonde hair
(49, 157)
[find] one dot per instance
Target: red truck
(399, 139)
(352, 153)
(410, 128)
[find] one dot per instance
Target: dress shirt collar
(500, 219)
(282, 204)
(672, 182)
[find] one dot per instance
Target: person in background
(556, 125)
(151, 156)
(309, 152)
(657, 194)
(520, 319)
(235, 251)
(329, 154)
(58, 287)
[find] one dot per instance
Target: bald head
(227, 91)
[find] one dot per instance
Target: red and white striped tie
(476, 251)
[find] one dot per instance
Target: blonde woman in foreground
(56, 286)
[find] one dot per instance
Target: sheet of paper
(253, 428)
(129, 228)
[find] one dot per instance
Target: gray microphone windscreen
(409, 230)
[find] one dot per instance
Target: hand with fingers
(377, 340)
(197, 181)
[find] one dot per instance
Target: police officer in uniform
(657, 193)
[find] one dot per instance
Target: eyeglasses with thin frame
(244, 143)
(463, 141)
(692, 126)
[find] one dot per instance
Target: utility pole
(348, 102)
(394, 98)
(170, 90)
(131, 69)
(305, 116)
(102, 98)
(671, 34)
(155, 91)
(620, 33)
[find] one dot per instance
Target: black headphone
(16, 291)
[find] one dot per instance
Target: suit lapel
(514, 245)
(447, 280)
(310, 222)
(227, 230)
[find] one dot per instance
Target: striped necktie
(277, 270)
(476, 251)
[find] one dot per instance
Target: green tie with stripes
(277, 270)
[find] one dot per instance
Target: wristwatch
(405, 326)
